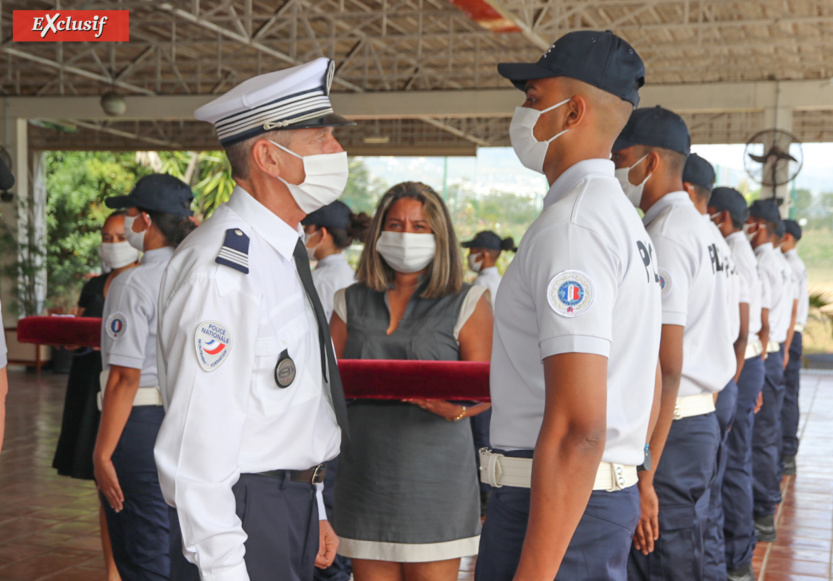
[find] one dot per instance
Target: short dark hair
(174, 228)
(238, 154)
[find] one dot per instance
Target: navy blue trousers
(139, 533)
(682, 482)
(766, 439)
(738, 526)
(789, 413)
(341, 569)
(714, 559)
(598, 549)
(280, 518)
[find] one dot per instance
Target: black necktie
(329, 365)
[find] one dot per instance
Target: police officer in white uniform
(696, 354)
(574, 358)
(729, 212)
(789, 413)
(247, 370)
(484, 250)
(776, 278)
(4, 385)
(698, 182)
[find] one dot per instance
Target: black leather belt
(314, 475)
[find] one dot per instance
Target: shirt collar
(736, 235)
(765, 247)
(332, 259)
(673, 199)
(275, 231)
(157, 255)
(574, 174)
(791, 253)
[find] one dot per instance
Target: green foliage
(363, 190)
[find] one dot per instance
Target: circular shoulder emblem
(213, 343)
(116, 325)
(664, 282)
(570, 293)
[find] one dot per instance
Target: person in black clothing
(79, 425)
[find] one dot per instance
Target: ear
(652, 163)
(576, 111)
(264, 157)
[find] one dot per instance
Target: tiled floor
(49, 524)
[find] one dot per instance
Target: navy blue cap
(655, 127)
(601, 59)
(335, 215)
(780, 229)
(699, 172)
(793, 228)
(732, 200)
(765, 210)
(158, 192)
(490, 241)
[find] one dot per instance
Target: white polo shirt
(128, 322)
(332, 274)
(800, 272)
(747, 267)
(736, 291)
(582, 281)
(693, 293)
(489, 278)
(221, 334)
(777, 277)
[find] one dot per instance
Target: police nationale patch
(570, 293)
(116, 325)
(213, 343)
(664, 282)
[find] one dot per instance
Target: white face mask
(529, 150)
(405, 251)
(310, 249)
(117, 254)
(135, 239)
(633, 192)
(326, 175)
(747, 230)
(475, 262)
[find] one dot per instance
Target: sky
(499, 168)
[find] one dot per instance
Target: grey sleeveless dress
(406, 488)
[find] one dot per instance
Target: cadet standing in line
(698, 181)
(696, 355)
(729, 211)
(766, 434)
(574, 362)
(484, 251)
(789, 413)
(247, 371)
(4, 384)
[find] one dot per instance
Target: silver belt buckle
(318, 474)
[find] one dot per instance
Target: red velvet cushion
(383, 379)
(80, 331)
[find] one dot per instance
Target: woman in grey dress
(407, 500)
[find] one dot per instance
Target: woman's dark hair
(355, 232)
(174, 228)
(508, 243)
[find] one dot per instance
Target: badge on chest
(285, 370)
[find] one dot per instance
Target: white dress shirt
(800, 271)
(582, 281)
(332, 274)
(489, 278)
(693, 293)
(232, 418)
(128, 330)
(747, 266)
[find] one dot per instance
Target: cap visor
(119, 202)
(469, 244)
(331, 120)
(520, 73)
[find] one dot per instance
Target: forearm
(4, 390)
(791, 329)
(740, 355)
(118, 403)
(668, 400)
(563, 472)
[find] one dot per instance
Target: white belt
(773, 347)
(799, 328)
(693, 405)
(754, 349)
(144, 395)
(498, 470)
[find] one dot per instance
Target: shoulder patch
(235, 251)
(116, 325)
(664, 282)
(570, 293)
(213, 343)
